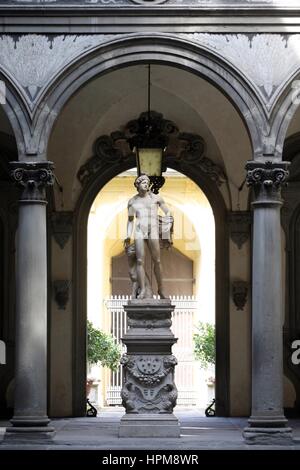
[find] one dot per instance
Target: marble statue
(149, 228)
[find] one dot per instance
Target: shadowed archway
(80, 279)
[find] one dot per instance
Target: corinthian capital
(269, 175)
(33, 177)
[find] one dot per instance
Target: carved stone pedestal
(149, 393)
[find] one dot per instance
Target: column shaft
(31, 325)
(267, 321)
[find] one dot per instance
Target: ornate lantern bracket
(184, 149)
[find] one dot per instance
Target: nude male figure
(144, 207)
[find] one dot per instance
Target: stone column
(267, 424)
(30, 418)
(149, 393)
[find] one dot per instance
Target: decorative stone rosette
(149, 385)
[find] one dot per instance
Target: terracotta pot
(89, 384)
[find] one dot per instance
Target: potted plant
(89, 383)
(210, 381)
(205, 349)
(101, 350)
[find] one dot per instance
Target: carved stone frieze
(33, 178)
(62, 225)
(240, 225)
(35, 59)
(257, 56)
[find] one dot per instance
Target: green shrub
(101, 348)
(204, 344)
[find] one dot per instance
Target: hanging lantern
(149, 144)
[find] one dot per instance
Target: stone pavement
(101, 433)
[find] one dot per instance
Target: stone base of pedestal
(149, 393)
(29, 434)
(268, 436)
(149, 425)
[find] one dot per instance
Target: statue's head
(139, 179)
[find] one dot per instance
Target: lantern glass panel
(150, 161)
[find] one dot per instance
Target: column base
(149, 425)
(266, 421)
(28, 435)
(30, 421)
(268, 436)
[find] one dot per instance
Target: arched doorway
(188, 273)
(222, 300)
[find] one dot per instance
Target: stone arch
(166, 50)
(17, 114)
(287, 105)
(85, 201)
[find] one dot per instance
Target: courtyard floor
(101, 433)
